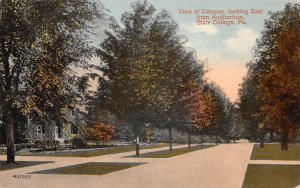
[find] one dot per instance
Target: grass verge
(272, 176)
(93, 168)
(273, 152)
(175, 152)
(98, 152)
(20, 164)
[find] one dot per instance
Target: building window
(73, 112)
(56, 132)
(74, 129)
(39, 129)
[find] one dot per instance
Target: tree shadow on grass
(97, 151)
(20, 164)
(92, 168)
(273, 152)
(269, 175)
(167, 153)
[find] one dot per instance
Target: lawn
(168, 153)
(97, 152)
(93, 168)
(272, 176)
(273, 152)
(20, 164)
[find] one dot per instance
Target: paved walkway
(220, 166)
(281, 162)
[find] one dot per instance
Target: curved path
(220, 166)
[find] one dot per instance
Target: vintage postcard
(150, 93)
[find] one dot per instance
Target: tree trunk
(284, 140)
(271, 137)
(201, 139)
(170, 139)
(137, 146)
(8, 120)
(216, 139)
(7, 108)
(262, 140)
(189, 141)
(210, 140)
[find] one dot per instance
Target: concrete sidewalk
(220, 166)
(279, 162)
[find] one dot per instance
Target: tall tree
(220, 110)
(196, 111)
(123, 54)
(175, 67)
(145, 64)
(249, 106)
(277, 54)
(40, 41)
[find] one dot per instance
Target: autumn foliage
(102, 132)
(197, 105)
(274, 76)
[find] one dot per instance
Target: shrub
(67, 141)
(21, 146)
(38, 144)
(78, 142)
(102, 132)
(47, 144)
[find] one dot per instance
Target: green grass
(272, 176)
(175, 152)
(93, 168)
(20, 164)
(98, 152)
(273, 152)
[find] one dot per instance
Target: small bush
(78, 142)
(67, 141)
(47, 144)
(102, 132)
(38, 144)
(19, 147)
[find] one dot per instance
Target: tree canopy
(272, 86)
(40, 41)
(147, 69)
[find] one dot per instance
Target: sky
(227, 48)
